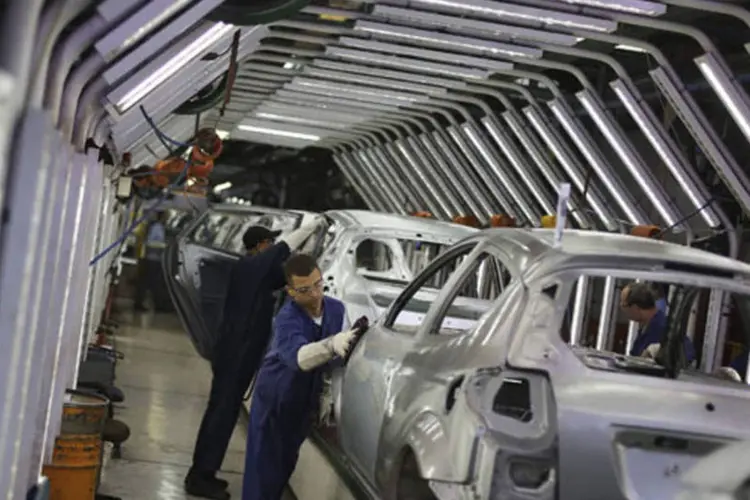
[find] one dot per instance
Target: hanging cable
(159, 201)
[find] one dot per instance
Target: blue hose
(161, 199)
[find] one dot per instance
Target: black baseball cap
(258, 234)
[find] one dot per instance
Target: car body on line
(366, 258)
(465, 389)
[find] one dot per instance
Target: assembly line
(374, 249)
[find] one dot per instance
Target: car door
(197, 264)
(366, 395)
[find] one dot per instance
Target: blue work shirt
(653, 332)
(155, 241)
(740, 363)
(281, 384)
(250, 302)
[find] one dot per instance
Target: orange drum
(74, 470)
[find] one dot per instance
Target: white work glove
(315, 354)
(728, 373)
(342, 342)
(651, 351)
(297, 237)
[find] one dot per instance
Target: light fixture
(497, 31)
(594, 157)
(353, 177)
(672, 157)
(566, 160)
(302, 121)
(223, 134)
(445, 41)
(342, 88)
(418, 178)
(710, 144)
(519, 164)
(121, 38)
(385, 73)
(630, 48)
(452, 187)
(480, 201)
(534, 150)
(326, 102)
(519, 14)
(208, 38)
(640, 7)
(222, 187)
(312, 110)
(434, 55)
(730, 95)
(407, 63)
(629, 158)
(490, 159)
(280, 133)
(373, 81)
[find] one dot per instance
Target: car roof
(536, 242)
(379, 220)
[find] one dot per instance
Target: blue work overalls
(653, 332)
(243, 335)
(286, 400)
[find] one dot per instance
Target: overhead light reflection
(211, 36)
(222, 187)
(280, 133)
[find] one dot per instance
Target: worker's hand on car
(342, 342)
(651, 351)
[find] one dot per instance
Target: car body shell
(595, 427)
(198, 262)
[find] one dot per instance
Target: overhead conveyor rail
(468, 110)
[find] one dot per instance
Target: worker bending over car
(244, 332)
(640, 303)
(310, 332)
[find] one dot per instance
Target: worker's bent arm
(290, 340)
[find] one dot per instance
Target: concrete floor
(166, 386)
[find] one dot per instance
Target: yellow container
(74, 471)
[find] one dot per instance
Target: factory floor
(166, 386)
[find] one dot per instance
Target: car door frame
(370, 426)
(185, 297)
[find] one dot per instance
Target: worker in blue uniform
(639, 302)
(310, 332)
(243, 336)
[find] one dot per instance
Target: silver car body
(198, 263)
(590, 427)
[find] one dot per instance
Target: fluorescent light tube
(357, 89)
(208, 38)
(445, 41)
(697, 124)
(640, 7)
(595, 159)
(407, 63)
(629, 158)
(405, 50)
(520, 14)
(734, 99)
(280, 133)
(671, 156)
(302, 121)
(222, 187)
(630, 48)
(373, 81)
(499, 31)
(385, 73)
(223, 134)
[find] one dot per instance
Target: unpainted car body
(198, 263)
(465, 385)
